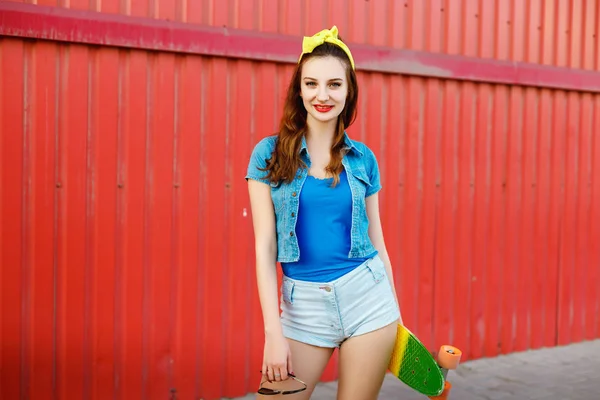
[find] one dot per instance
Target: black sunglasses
(271, 392)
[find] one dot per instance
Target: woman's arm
(265, 246)
(277, 358)
(376, 236)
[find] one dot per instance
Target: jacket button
(294, 194)
(293, 214)
(291, 233)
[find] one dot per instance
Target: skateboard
(414, 365)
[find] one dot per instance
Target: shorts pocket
(287, 291)
(377, 269)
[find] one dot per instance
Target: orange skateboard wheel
(449, 357)
(445, 393)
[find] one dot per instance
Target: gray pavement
(560, 373)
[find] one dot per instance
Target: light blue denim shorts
(325, 314)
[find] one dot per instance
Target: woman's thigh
(363, 362)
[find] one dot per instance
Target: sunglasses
(272, 392)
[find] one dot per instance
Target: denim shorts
(325, 314)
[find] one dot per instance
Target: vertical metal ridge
(547, 317)
(569, 33)
(89, 195)
(176, 188)
(572, 202)
(578, 36)
(228, 293)
(175, 259)
(125, 7)
(519, 29)
(594, 275)
(536, 319)
(153, 8)
(488, 20)
(583, 246)
(57, 184)
(519, 236)
(548, 36)
(148, 186)
(182, 11)
(529, 30)
(536, 26)
(25, 225)
(531, 186)
(472, 19)
(589, 39)
(12, 60)
(203, 166)
(556, 186)
(120, 209)
(470, 117)
(60, 219)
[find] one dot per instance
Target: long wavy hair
(285, 160)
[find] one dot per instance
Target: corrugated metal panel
(108, 289)
(122, 294)
(489, 210)
(564, 33)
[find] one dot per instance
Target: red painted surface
(93, 28)
(126, 241)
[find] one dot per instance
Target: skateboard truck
(448, 358)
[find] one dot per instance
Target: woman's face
(323, 88)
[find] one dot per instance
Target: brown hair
(285, 160)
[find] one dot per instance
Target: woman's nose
(322, 95)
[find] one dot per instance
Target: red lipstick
(322, 109)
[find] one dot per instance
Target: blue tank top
(323, 232)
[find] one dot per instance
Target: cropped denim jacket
(363, 177)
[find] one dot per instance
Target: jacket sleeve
(258, 159)
(372, 168)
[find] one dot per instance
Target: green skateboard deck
(414, 365)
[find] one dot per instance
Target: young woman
(314, 200)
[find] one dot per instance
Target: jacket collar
(348, 145)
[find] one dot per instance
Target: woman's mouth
(323, 109)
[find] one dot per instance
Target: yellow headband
(326, 35)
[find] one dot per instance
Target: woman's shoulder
(266, 145)
(362, 149)
(262, 152)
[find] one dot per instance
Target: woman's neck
(320, 135)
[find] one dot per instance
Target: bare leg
(309, 363)
(363, 363)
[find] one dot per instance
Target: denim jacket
(364, 180)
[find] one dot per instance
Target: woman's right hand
(277, 358)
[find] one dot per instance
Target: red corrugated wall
(126, 242)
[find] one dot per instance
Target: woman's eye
(311, 84)
(336, 84)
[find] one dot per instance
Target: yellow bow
(326, 35)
